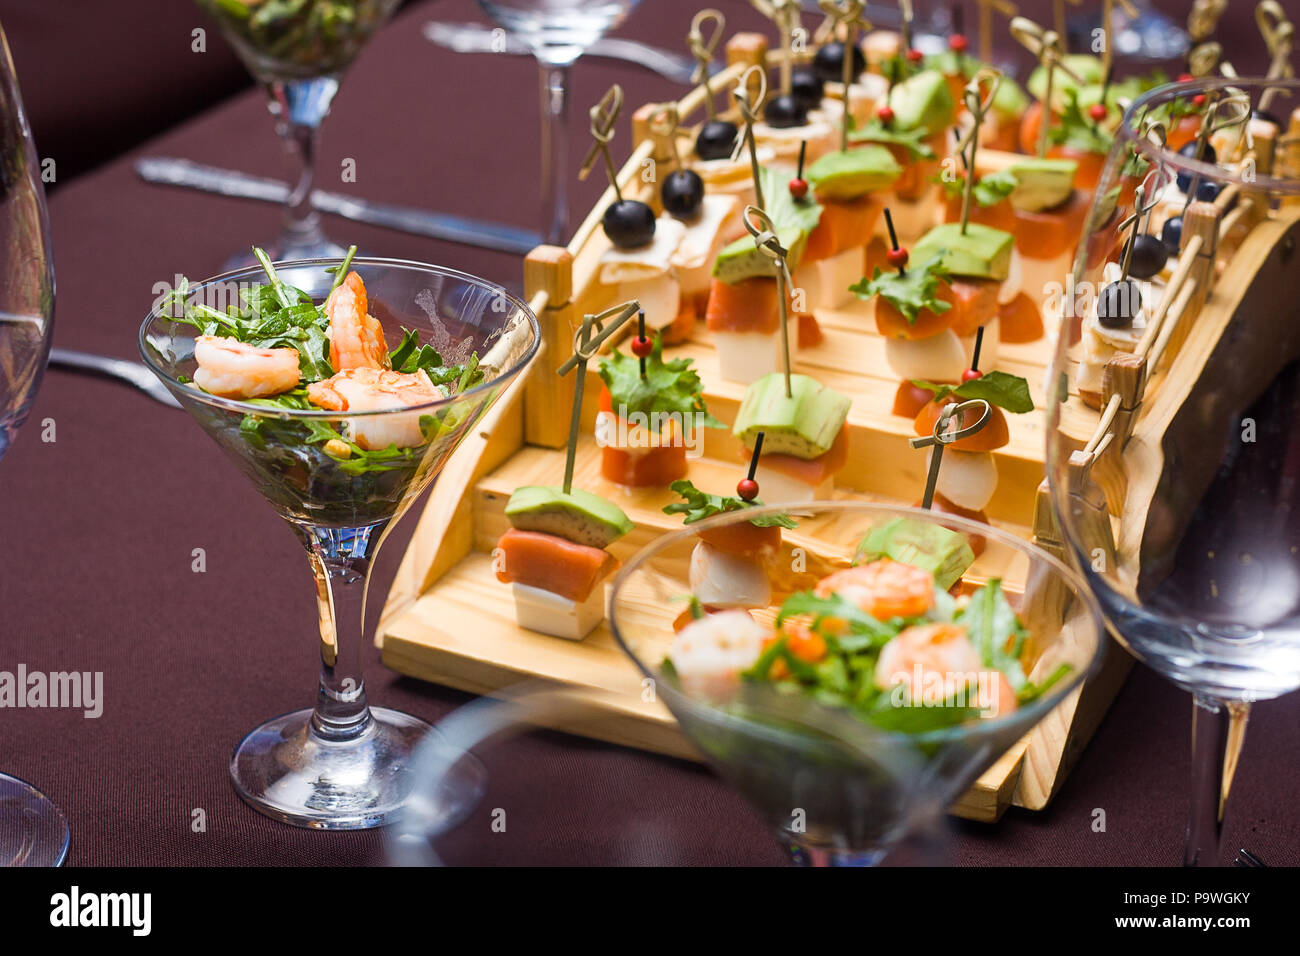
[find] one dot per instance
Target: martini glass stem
(1218, 730)
(299, 108)
(555, 150)
(341, 559)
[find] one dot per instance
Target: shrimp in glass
(883, 588)
(233, 369)
(356, 337)
(377, 389)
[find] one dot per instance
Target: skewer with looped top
(1058, 20)
(768, 244)
(585, 348)
(749, 116)
(978, 105)
(987, 9)
(848, 15)
(784, 14)
(603, 117)
(664, 122)
(905, 24)
(1279, 38)
(1046, 47)
(943, 436)
(702, 50)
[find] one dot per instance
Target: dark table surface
(100, 524)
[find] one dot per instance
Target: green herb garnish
(910, 293)
(987, 191)
(997, 388)
(700, 505)
(1077, 131)
(913, 140)
(671, 387)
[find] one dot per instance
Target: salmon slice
(679, 329)
(812, 471)
(744, 539)
(745, 306)
(843, 225)
(1091, 166)
(1052, 232)
(918, 173)
(991, 437)
(810, 331)
(891, 323)
(552, 563)
(1000, 215)
(1020, 320)
(974, 303)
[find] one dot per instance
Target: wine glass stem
(555, 150)
(1218, 730)
(341, 560)
(300, 106)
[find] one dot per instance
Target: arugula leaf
(988, 191)
(917, 718)
(1031, 691)
(997, 388)
(700, 505)
(1077, 131)
(994, 628)
(913, 140)
(910, 293)
(667, 387)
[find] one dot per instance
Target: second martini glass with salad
(340, 388)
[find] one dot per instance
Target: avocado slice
(943, 552)
(579, 516)
(742, 259)
(1010, 100)
(1042, 183)
(924, 101)
(849, 174)
(1085, 65)
(981, 253)
(803, 425)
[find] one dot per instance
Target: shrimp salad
(879, 639)
(279, 350)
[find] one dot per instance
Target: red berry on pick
(747, 488)
(897, 257)
(958, 43)
(915, 56)
(886, 114)
(1097, 111)
(971, 374)
(1198, 99)
(642, 347)
(798, 188)
(1185, 77)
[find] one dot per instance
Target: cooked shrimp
(232, 369)
(883, 588)
(356, 337)
(377, 389)
(936, 662)
(709, 654)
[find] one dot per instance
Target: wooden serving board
(449, 621)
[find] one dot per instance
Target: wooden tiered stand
(449, 621)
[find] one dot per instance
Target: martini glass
(836, 790)
(558, 31)
(343, 763)
(298, 52)
(32, 830)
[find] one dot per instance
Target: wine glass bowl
(343, 764)
(1171, 437)
(835, 787)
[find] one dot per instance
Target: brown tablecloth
(100, 525)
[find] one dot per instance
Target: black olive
(629, 223)
(1207, 190)
(829, 62)
(1118, 304)
(1189, 150)
(1266, 117)
(806, 87)
(682, 193)
(716, 140)
(784, 111)
(1171, 234)
(1149, 257)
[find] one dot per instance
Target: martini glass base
(287, 771)
(32, 830)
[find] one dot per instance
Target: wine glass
(1171, 435)
(835, 788)
(558, 31)
(298, 52)
(32, 830)
(342, 765)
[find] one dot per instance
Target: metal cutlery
(420, 222)
(132, 373)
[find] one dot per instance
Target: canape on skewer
(968, 474)
(646, 273)
(1104, 335)
(806, 441)
(692, 262)
(728, 567)
(651, 416)
(555, 560)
